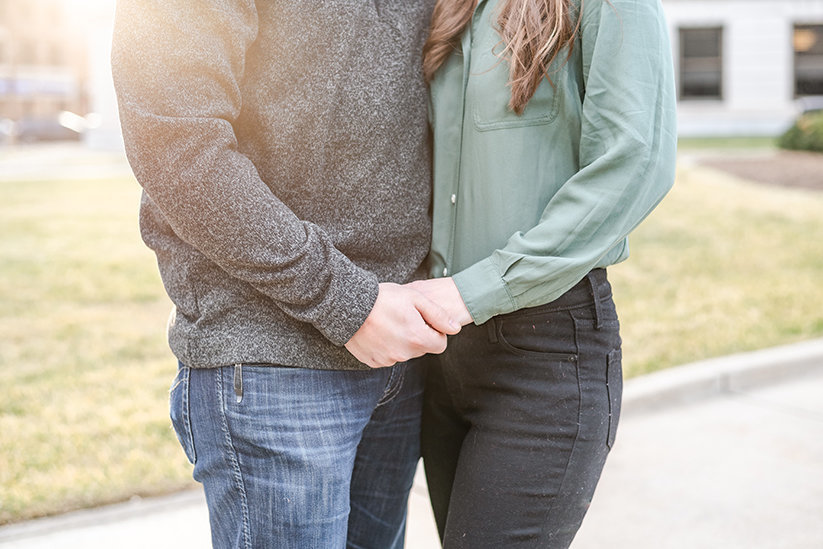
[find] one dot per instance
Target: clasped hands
(408, 321)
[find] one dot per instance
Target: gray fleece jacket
(283, 151)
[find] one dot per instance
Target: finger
(438, 344)
(429, 340)
(435, 316)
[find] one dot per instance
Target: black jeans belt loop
(598, 311)
(491, 327)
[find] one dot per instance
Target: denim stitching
(235, 465)
(563, 482)
(501, 340)
(183, 429)
(614, 361)
(187, 415)
(393, 385)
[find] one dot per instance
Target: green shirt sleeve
(626, 157)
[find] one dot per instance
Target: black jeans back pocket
(614, 386)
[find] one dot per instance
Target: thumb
(436, 316)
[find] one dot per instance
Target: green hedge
(806, 134)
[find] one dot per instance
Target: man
(282, 147)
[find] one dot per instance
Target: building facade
(43, 61)
(745, 67)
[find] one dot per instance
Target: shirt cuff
(484, 291)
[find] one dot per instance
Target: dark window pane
(701, 63)
(808, 60)
(701, 43)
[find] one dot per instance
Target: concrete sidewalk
(742, 470)
(723, 453)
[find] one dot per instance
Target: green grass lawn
(722, 266)
(84, 367)
(725, 143)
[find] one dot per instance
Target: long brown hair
(532, 31)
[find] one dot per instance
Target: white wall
(758, 73)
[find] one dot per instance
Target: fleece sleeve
(177, 67)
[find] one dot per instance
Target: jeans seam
(232, 457)
(564, 482)
(393, 385)
(446, 368)
(614, 410)
(187, 416)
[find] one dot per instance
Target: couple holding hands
(385, 228)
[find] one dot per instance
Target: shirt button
(445, 271)
(454, 198)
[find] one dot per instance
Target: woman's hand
(443, 291)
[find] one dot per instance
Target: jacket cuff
(484, 291)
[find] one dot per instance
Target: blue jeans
(519, 415)
(298, 458)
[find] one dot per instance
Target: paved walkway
(727, 453)
(741, 471)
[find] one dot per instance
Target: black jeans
(519, 415)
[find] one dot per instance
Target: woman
(554, 136)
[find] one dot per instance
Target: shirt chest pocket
(489, 94)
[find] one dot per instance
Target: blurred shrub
(806, 134)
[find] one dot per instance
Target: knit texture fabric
(283, 151)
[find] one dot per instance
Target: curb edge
(712, 377)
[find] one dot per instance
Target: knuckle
(417, 342)
(393, 357)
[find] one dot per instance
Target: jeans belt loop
(598, 312)
(491, 328)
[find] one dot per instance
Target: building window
(701, 63)
(808, 60)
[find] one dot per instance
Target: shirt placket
(466, 45)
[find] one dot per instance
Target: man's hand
(444, 292)
(403, 324)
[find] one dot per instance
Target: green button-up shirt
(524, 206)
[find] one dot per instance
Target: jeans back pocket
(614, 387)
(179, 412)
